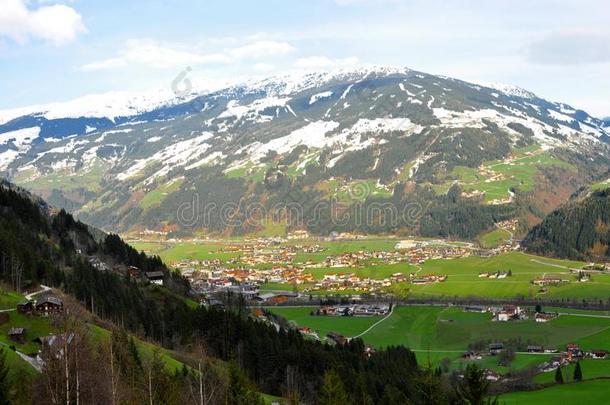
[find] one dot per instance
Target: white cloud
(571, 48)
(263, 67)
(261, 49)
(323, 62)
(153, 54)
(56, 23)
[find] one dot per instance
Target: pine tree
(4, 383)
(558, 376)
(332, 391)
(474, 386)
(577, 372)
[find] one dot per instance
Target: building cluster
(427, 279)
(508, 313)
(496, 275)
(271, 260)
(550, 281)
(571, 354)
(45, 306)
(352, 310)
(353, 282)
(155, 277)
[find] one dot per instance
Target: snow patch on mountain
(320, 96)
(18, 143)
(252, 110)
(177, 154)
(507, 89)
(109, 105)
(378, 125)
(20, 137)
(559, 116)
(311, 135)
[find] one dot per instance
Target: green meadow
(436, 333)
(519, 173)
(494, 238)
(595, 391)
(174, 252)
(438, 328)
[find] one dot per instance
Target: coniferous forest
(579, 230)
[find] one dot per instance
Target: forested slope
(578, 230)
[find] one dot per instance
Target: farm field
(494, 238)
(463, 277)
(595, 391)
(173, 252)
(436, 333)
(450, 328)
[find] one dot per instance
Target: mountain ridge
(322, 134)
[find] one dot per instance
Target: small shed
(155, 277)
(17, 334)
(26, 307)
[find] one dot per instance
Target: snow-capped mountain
(133, 162)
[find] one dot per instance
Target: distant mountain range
(467, 155)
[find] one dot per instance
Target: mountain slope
(367, 135)
(579, 230)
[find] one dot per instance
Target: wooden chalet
(49, 305)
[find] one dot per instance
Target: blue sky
(58, 50)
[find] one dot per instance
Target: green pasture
(174, 252)
(595, 391)
(494, 238)
(154, 197)
(519, 174)
(437, 328)
(347, 326)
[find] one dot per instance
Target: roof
(154, 274)
(50, 300)
(51, 339)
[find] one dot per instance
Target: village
(268, 261)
